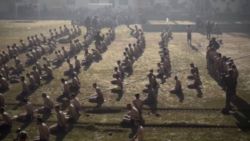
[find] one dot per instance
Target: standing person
(209, 29)
(231, 85)
(189, 35)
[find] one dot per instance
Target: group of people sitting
(49, 44)
(163, 72)
(124, 68)
(70, 114)
(34, 49)
(66, 35)
(223, 70)
(101, 44)
(164, 66)
(194, 77)
(133, 119)
(75, 46)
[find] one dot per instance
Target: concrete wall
(221, 6)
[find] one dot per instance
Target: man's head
(151, 71)
(2, 110)
(39, 120)
(94, 85)
(192, 65)
(57, 108)
(176, 78)
(129, 106)
(25, 100)
(44, 95)
(137, 96)
(22, 78)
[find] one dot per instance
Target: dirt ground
(197, 118)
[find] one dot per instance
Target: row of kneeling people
(12, 74)
(70, 114)
(34, 44)
(164, 66)
(125, 67)
(101, 45)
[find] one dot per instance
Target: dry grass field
(196, 119)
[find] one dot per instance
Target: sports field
(196, 119)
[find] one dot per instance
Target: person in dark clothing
(231, 85)
(98, 39)
(189, 35)
(6, 122)
(213, 44)
(209, 28)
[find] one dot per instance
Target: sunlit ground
(193, 111)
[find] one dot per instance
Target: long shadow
(61, 135)
(3, 90)
(191, 109)
(198, 90)
(86, 67)
(199, 93)
(180, 96)
(4, 133)
(26, 124)
(193, 47)
(243, 114)
(164, 125)
(17, 105)
(118, 92)
(20, 97)
(48, 81)
(104, 110)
